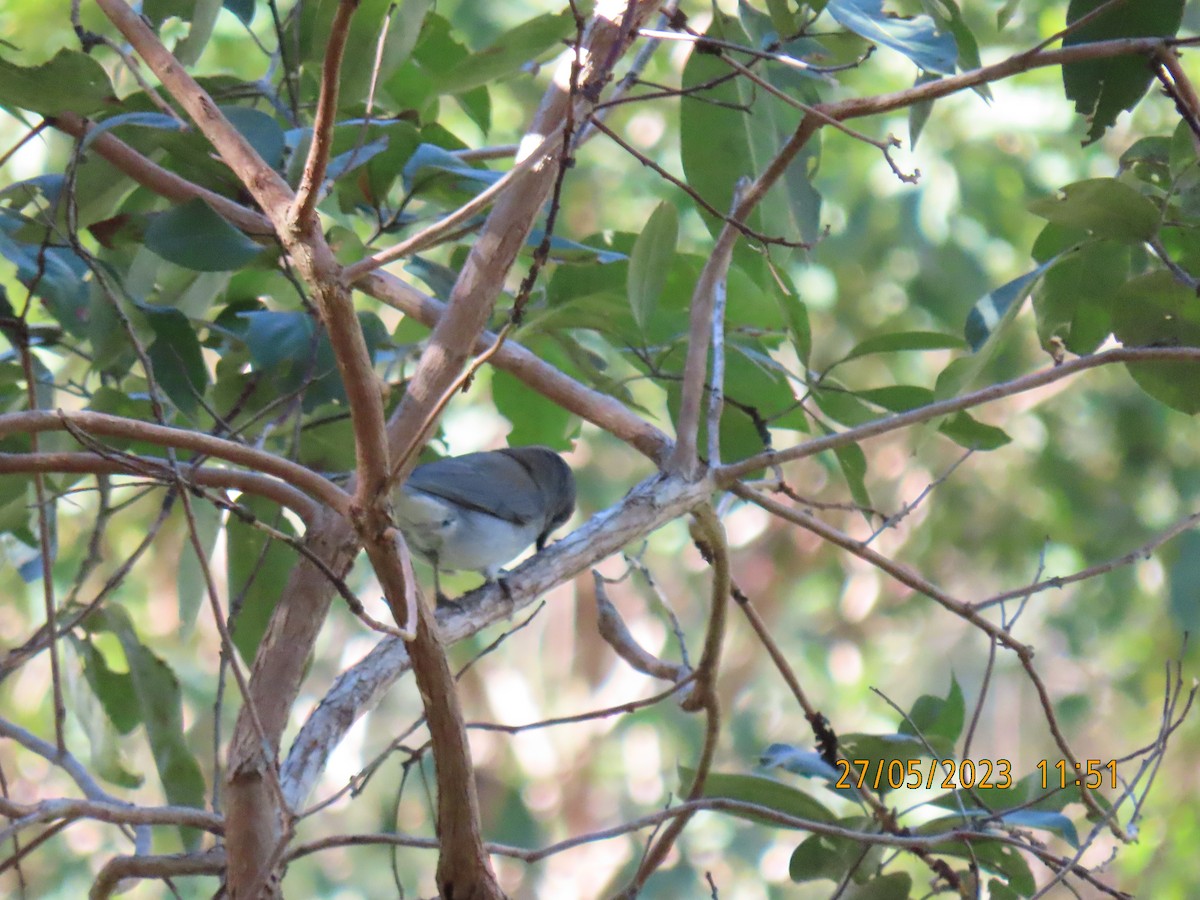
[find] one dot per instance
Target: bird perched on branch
(479, 511)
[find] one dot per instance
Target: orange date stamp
(946, 774)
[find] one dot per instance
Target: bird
(478, 511)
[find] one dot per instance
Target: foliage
(967, 478)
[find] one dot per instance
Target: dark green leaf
(1104, 207)
(433, 164)
(1184, 580)
(765, 792)
(156, 120)
(505, 55)
(1103, 87)
(997, 308)
(918, 38)
(160, 702)
(439, 279)
(535, 419)
(934, 716)
(905, 340)
(114, 690)
(277, 337)
(796, 314)
(1155, 310)
(918, 113)
(826, 856)
(898, 397)
(261, 130)
(893, 886)
(972, 434)
(195, 237)
(243, 9)
(179, 367)
(563, 250)
(56, 275)
(158, 11)
(726, 134)
(853, 463)
(881, 750)
(1072, 303)
(70, 82)
(651, 261)
(258, 569)
(189, 577)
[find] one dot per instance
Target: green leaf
(905, 340)
(158, 11)
(853, 463)
(70, 82)
(114, 690)
(893, 886)
(994, 310)
(190, 586)
(433, 165)
(898, 397)
(934, 716)
(919, 38)
(918, 113)
(195, 237)
(156, 120)
(728, 131)
(258, 568)
(948, 16)
(56, 275)
(175, 355)
(651, 261)
(796, 313)
(568, 251)
(535, 419)
(243, 9)
(1104, 207)
(504, 57)
(826, 856)
(1155, 310)
(765, 792)
(972, 434)
(1184, 580)
(1072, 303)
(161, 706)
(1102, 88)
(841, 404)
(782, 18)
(261, 130)
(989, 855)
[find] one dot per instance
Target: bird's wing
(464, 479)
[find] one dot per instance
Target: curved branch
(89, 463)
(165, 436)
(162, 181)
(726, 476)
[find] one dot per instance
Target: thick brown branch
(312, 182)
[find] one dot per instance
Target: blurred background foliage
(1094, 469)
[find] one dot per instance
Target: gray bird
(479, 511)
